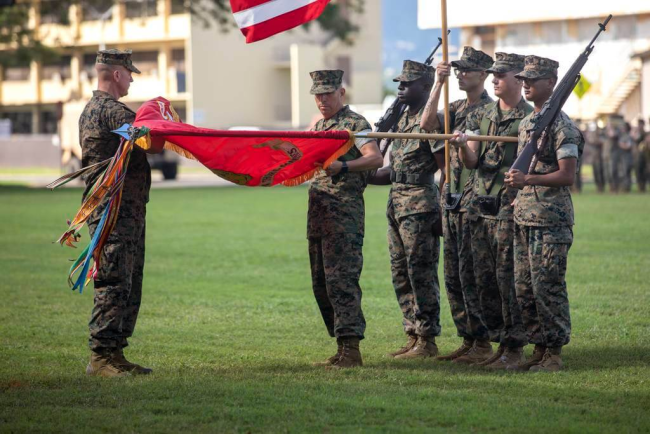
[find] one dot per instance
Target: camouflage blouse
(102, 114)
(492, 155)
(413, 156)
(336, 202)
(459, 110)
(549, 206)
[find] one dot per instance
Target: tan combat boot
(462, 350)
(511, 358)
(412, 340)
(494, 357)
(102, 365)
(551, 362)
(121, 362)
(480, 351)
(535, 359)
(330, 360)
(424, 347)
(350, 355)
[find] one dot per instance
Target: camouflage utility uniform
(544, 218)
(118, 284)
(335, 229)
(413, 210)
(492, 235)
(543, 236)
(458, 264)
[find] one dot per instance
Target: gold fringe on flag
(298, 180)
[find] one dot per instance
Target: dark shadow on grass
(605, 357)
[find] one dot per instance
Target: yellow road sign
(582, 87)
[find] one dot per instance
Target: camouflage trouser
(494, 270)
(459, 277)
(336, 261)
(414, 252)
(540, 268)
(599, 169)
(118, 284)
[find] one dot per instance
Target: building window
(554, 32)
(146, 62)
(21, 122)
(54, 12)
(89, 64)
(94, 11)
(61, 68)
(625, 27)
(141, 8)
(18, 72)
(178, 62)
(49, 122)
(179, 7)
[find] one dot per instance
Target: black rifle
(546, 117)
(388, 122)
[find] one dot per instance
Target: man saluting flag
(260, 19)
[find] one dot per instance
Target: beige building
(214, 79)
(561, 30)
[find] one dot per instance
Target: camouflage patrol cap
(412, 70)
(507, 62)
(539, 67)
(473, 59)
(326, 81)
(117, 57)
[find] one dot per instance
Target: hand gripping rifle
(388, 122)
(544, 120)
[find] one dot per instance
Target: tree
(21, 44)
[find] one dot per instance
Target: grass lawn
(230, 326)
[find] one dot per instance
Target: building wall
(239, 84)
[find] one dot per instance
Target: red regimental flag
(252, 158)
(260, 19)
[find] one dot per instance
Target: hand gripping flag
(251, 158)
(260, 19)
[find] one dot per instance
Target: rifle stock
(553, 106)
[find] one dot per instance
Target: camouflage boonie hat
(326, 81)
(507, 62)
(539, 67)
(412, 71)
(473, 59)
(117, 57)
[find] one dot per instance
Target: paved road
(185, 180)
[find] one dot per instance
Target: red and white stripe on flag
(260, 19)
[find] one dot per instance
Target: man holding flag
(459, 267)
(335, 222)
(413, 211)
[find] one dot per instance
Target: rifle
(546, 117)
(388, 122)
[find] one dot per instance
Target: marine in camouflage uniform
(335, 229)
(118, 283)
(458, 264)
(492, 234)
(543, 234)
(413, 210)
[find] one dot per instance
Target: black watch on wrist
(344, 167)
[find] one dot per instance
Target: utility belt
(412, 178)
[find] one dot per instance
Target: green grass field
(230, 326)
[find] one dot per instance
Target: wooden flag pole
(445, 58)
(424, 136)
